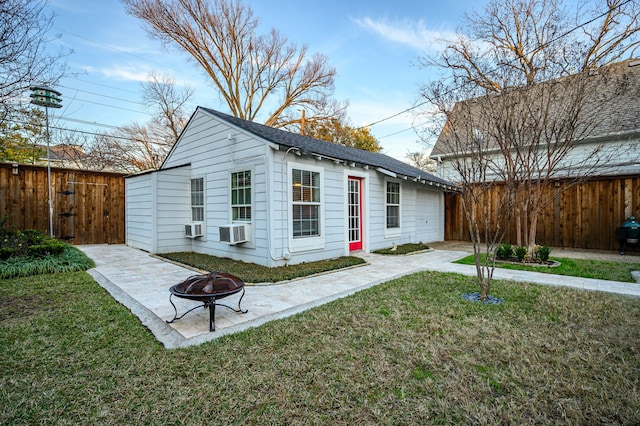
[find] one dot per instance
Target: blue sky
(372, 44)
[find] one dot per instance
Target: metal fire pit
(628, 233)
(208, 289)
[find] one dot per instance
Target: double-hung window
(393, 205)
(241, 196)
(305, 203)
(197, 200)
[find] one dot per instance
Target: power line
(91, 123)
(102, 95)
(103, 85)
(114, 107)
(84, 132)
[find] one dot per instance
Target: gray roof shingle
(347, 154)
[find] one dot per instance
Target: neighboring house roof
(66, 152)
(332, 151)
(614, 96)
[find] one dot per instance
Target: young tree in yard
(534, 93)
(478, 172)
(253, 73)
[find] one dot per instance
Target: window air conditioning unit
(192, 230)
(233, 234)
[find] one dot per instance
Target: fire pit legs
(175, 316)
(234, 285)
(212, 310)
(207, 301)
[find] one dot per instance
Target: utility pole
(48, 98)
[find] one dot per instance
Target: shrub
(504, 251)
(25, 243)
(520, 252)
(6, 252)
(542, 253)
(71, 259)
(49, 248)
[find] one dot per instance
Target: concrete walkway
(141, 282)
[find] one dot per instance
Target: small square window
(241, 196)
(197, 200)
(393, 205)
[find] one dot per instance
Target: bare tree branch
(24, 58)
(252, 72)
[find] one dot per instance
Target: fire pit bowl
(208, 288)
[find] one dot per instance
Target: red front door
(354, 211)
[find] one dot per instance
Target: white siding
(421, 214)
(215, 149)
(140, 212)
(173, 203)
(429, 216)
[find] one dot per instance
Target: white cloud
(413, 34)
(123, 73)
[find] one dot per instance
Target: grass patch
(69, 260)
(253, 273)
(598, 269)
(404, 249)
(409, 351)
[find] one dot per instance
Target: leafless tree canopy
(138, 146)
(512, 43)
(169, 104)
(253, 73)
(24, 60)
(421, 160)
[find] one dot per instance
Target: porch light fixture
(47, 97)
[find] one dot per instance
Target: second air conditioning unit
(192, 230)
(233, 234)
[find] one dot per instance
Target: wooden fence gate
(88, 206)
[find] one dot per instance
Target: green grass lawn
(604, 270)
(409, 351)
(253, 273)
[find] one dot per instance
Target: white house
(238, 189)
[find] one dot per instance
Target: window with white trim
(393, 205)
(197, 200)
(241, 196)
(305, 196)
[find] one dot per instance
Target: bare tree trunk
(471, 212)
(518, 225)
(533, 228)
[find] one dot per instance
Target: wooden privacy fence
(583, 215)
(88, 207)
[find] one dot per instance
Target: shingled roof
(615, 98)
(332, 151)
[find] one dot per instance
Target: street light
(48, 98)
